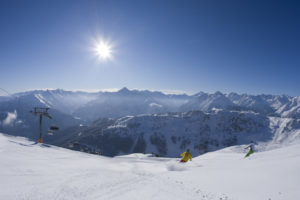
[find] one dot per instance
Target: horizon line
(167, 92)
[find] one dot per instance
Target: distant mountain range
(90, 106)
(144, 121)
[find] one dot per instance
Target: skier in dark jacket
(250, 150)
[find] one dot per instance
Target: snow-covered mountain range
(145, 121)
(172, 133)
(134, 102)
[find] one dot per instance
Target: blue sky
(228, 46)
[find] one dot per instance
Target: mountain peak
(218, 93)
(124, 90)
(199, 93)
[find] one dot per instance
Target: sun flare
(103, 50)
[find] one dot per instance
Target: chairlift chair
(54, 128)
(50, 132)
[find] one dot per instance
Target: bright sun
(103, 50)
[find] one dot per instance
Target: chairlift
(54, 128)
(50, 132)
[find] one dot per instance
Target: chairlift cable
(5, 91)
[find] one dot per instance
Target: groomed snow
(34, 171)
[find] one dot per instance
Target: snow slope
(34, 171)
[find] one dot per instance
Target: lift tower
(41, 112)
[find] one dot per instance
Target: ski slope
(35, 171)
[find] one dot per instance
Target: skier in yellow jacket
(186, 156)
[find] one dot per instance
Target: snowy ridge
(205, 102)
(286, 132)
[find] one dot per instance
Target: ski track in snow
(32, 172)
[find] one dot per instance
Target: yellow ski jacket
(186, 156)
